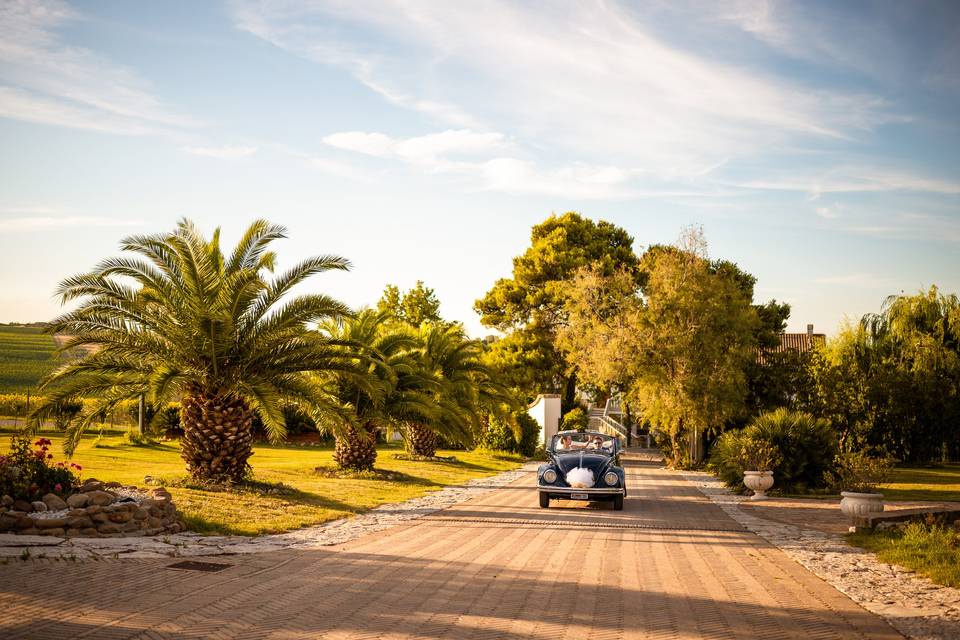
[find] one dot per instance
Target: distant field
(26, 355)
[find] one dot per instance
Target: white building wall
(546, 411)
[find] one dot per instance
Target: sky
(817, 143)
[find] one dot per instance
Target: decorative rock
(100, 498)
(54, 502)
(6, 501)
(22, 505)
(91, 485)
(93, 509)
(141, 513)
(7, 522)
(50, 523)
(78, 500)
(108, 527)
(112, 485)
(79, 522)
(39, 506)
(56, 531)
(120, 516)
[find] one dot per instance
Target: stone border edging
(192, 544)
(883, 589)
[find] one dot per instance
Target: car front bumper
(564, 492)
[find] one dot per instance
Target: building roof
(800, 342)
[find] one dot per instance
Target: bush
(527, 435)
(805, 448)
(498, 436)
(574, 420)
(860, 472)
(28, 473)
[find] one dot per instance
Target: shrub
(860, 472)
(574, 420)
(759, 455)
(498, 436)
(28, 473)
(805, 448)
(527, 434)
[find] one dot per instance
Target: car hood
(596, 462)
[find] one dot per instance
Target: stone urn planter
(759, 482)
(858, 505)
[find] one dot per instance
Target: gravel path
(914, 605)
(192, 544)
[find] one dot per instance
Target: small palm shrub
(805, 450)
(574, 420)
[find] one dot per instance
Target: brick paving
(671, 565)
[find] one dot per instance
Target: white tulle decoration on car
(580, 478)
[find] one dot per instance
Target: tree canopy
(414, 307)
(530, 306)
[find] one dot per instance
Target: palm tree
(467, 391)
(391, 390)
(184, 321)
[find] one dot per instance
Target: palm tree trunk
(421, 440)
(217, 436)
(357, 449)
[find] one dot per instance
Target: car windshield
(574, 441)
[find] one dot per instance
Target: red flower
(58, 487)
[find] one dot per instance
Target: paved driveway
(670, 565)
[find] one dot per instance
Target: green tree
(466, 391)
(533, 300)
(184, 321)
(391, 390)
(418, 305)
(892, 382)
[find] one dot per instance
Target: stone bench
(948, 515)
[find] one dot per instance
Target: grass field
(931, 551)
(286, 493)
(26, 355)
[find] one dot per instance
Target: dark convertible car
(582, 466)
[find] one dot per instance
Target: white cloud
(432, 149)
(40, 223)
(587, 78)
(854, 180)
(226, 152)
(45, 80)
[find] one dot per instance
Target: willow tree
(180, 320)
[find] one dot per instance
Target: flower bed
(40, 497)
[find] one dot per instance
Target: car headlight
(549, 476)
(611, 478)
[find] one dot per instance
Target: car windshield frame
(583, 442)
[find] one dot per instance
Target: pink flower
(58, 487)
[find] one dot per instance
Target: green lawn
(919, 483)
(908, 484)
(304, 497)
(933, 552)
(26, 355)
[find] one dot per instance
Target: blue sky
(818, 143)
